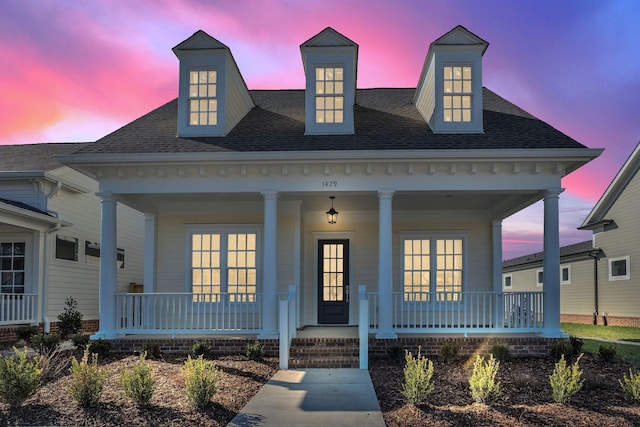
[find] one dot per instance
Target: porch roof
(385, 119)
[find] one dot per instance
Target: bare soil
(525, 400)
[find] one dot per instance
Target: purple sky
(77, 70)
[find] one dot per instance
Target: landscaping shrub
(395, 352)
(152, 350)
(138, 383)
(564, 348)
(200, 348)
(449, 351)
(54, 362)
(88, 380)
(200, 377)
(45, 344)
(418, 372)
(565, 380)
(607, 353)
(255, 351)
(26, 332)
(500, 352)
(20, 377)
(100, 347)
(80, 340)
(483, 385)
(631, 386)
(70, 320)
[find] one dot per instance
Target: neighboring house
(237, 187)
(50, 238)
(578, 286)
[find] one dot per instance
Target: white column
(108, 267)
(551, 264)
(39, 285)
(270, 266)
(385, 272)
(497, 255)
(149, 253)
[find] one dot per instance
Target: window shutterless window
(329, 95)
(456, 101)
(92, 254)
(619, 268)
(12, 261)
(203, 98)
(507, 281)
(565, 274)
(539, 277)
(66, 248)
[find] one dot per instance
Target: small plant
(25, 333)
(255, 351)
(565, 380)
(88, 380)
(483, 385)
(449, 351)
(20, 377)
(200, 377)
(395, 352)
(54, 362)
(500, 352)
(631, 386)
(607, 353)
(70, 320)
(138, 383)
(418, 372)
(45, 344)
(200, 348)
(569, 349)
(80, 340)
(152, 350)
(100, 347)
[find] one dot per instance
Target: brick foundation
(8, 333)
(611, 320)
(219, 346)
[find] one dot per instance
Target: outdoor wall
(577, 297)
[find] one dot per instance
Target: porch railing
(286, 325)
(17, 308)
(445, 312)
(184, 313)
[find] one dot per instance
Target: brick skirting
(8, 333)
(611, 320)
(219, 346)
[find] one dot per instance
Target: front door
(333, 281)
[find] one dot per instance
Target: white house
(50, 238)
(237, 187)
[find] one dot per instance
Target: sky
(74, 71)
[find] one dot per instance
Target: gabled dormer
(449, 93)
(330, 66)
(212, 97)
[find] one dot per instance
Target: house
(272, 209)
(50, 239)
(578, 285)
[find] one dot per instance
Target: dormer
(212, 96)
(449, 93)
(330, 66)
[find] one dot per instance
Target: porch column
(385, 272)
(269, 266)
(149, 253)
(551, 264)
(108, 267)
(497, 255)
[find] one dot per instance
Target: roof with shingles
(385, 119)
(565, 251)
(34, 157)
(22, 205)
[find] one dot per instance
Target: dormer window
(329, 95)
(203, 101)
(456, 101)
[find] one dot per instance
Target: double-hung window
(224, 264)
(433, 267)
(456, 101)
(329, 95)
(12, 260)
(619, 268)
(203, 98)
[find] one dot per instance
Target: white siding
(426, 101)
(238, 101)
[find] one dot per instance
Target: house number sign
(329, 184)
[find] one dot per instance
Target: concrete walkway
(314, 397)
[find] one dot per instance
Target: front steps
(324, 353)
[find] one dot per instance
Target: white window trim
(79, 249)
(538, 271)
(568, 267)
(625, 277)
(224, 228)
(504, 281)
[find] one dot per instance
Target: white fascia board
(32, 216)
(46, 176)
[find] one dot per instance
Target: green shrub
(81, 340)
(200, 348)
(483, 385)
(500, 352)
(565, 380)
(569, 349)
(45, 344)
(449, 351)
(418, 373)
(100, 347)
(395, 352)
(138, 383)
(26, 332)
(200, 377)
(20, 377)
(88, 380)
(607, 353)
(70, 320)
(255, 351)
(152, 350)
(631, 386)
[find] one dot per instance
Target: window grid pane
(205, 267)
(241, 267)
(417, 270)
(456, 101)
(203, 102)
(12, 261)
(449, 269)
(329, 95)
(333, 272)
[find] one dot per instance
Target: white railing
(17, 308)
(363, 327)
(286, 325)
(445, 312)
(184, 313)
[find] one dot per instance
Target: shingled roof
(565, 251)
(34, 157)
(385, 119)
